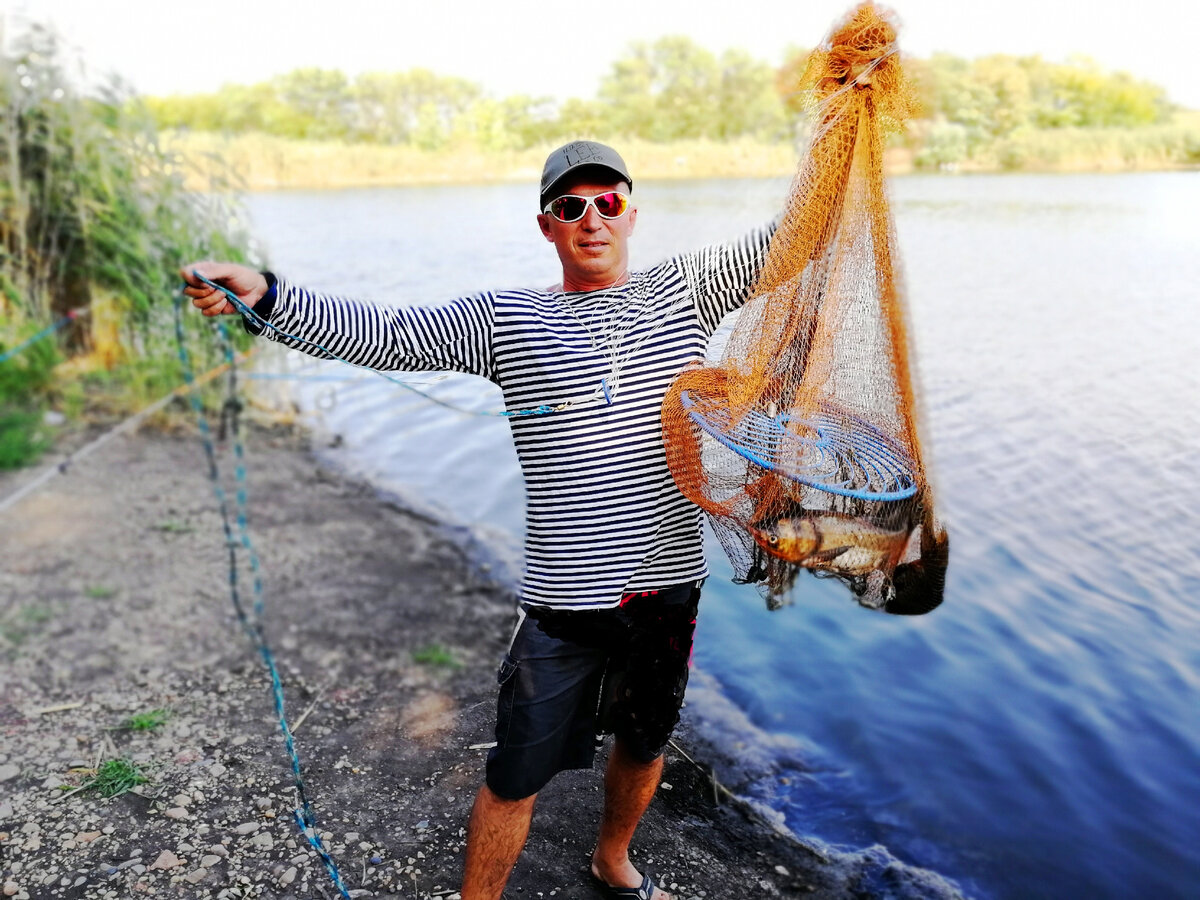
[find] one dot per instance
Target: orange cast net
(801, 444)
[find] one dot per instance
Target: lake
(1037, 736)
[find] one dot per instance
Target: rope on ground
(44, 333)
(129, 424)
(252, 624)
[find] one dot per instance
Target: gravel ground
(114, 604)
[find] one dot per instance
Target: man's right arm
(455, 337)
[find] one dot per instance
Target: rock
(288, 877)
(263, 840)
(9, 771)
(186, 848)
(782, 870)
(217, 769)
(6, 809)
(86, 837)
(247, 828)
(219, 850)
(196, 877)
(181, 800)
(176, 812)
(53, 782)
(10, 888)
(166, 860)
(351, 837)
(211, 860)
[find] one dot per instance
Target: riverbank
(115, 597)
(263, 162)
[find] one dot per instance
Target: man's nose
(591, 218)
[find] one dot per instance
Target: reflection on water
(1035, 737)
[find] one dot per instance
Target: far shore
(258, 162)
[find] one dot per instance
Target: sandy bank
(114, 600)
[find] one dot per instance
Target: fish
(829, 541)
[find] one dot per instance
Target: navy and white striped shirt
(604, 516)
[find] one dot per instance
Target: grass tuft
(116, 777)
(151, 720)
(435, 655)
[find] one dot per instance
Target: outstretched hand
(248, 284)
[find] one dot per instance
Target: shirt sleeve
(455, 337)
(720, 276)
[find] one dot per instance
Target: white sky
(561, 49)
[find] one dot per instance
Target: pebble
(176, 812)
(782, 870)
(263, 840)
(196, 877)
(247, 828)
(166, 860)
(181, 800)
(211, 860)
(352, 836)
(219, 850)
(288, 877)
(8, 771)
(217, 769)
(86, 837)
(186, 848)
(6, 809)
(10, 888)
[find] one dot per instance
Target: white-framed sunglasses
(573, 207)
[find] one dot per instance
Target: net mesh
(801, 444)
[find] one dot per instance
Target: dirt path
(114, 601)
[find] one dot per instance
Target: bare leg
(495, 836)
(629, 786)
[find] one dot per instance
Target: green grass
(19, 624)
(151, 720)
(23, 439)
(99, 592)
(116, 777)
(435, 655)
(171, 526)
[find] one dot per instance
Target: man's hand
(249, 285)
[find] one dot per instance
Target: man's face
(593, 251)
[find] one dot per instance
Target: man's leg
(495, 836)
(629, 786)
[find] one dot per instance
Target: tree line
(669, 89)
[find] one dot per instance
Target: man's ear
(632, 218)
(544, 224)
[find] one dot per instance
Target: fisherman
(614, 559)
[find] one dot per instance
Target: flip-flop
(644, 891)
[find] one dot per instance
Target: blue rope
(251, 624)
(255, 317)
(44, 333)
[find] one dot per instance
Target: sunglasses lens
(611, 205)
(568, 209)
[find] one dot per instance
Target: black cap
(579, 155)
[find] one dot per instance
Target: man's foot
(626, 883)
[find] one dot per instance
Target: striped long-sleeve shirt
(604, 516)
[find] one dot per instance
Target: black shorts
(571, 676)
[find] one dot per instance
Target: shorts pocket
(508, 668)
(504, 702)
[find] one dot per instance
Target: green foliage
(92, 211)
(18, 623)
(99, 592)
(435, 655)
(151, 720)
(116, 777)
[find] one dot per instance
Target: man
(613, 551)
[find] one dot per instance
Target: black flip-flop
(644, 891)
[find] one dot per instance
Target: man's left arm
(722, 275)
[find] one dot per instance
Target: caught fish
(829, 541)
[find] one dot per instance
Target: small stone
(351, 837)
(211, 860)
(53, 782)
(86, 837)
(263, 840)
(362, 845)
(6, 809)
(666, 786)
(7, 772)
(166, 860)
(782, 870)
(288, 877)
(217, 769)
(247, 828)
(10, 888)
(176, 812)
(196, 877)
(376, 860)
(219, 850)
(185, 847)
(181, 800)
